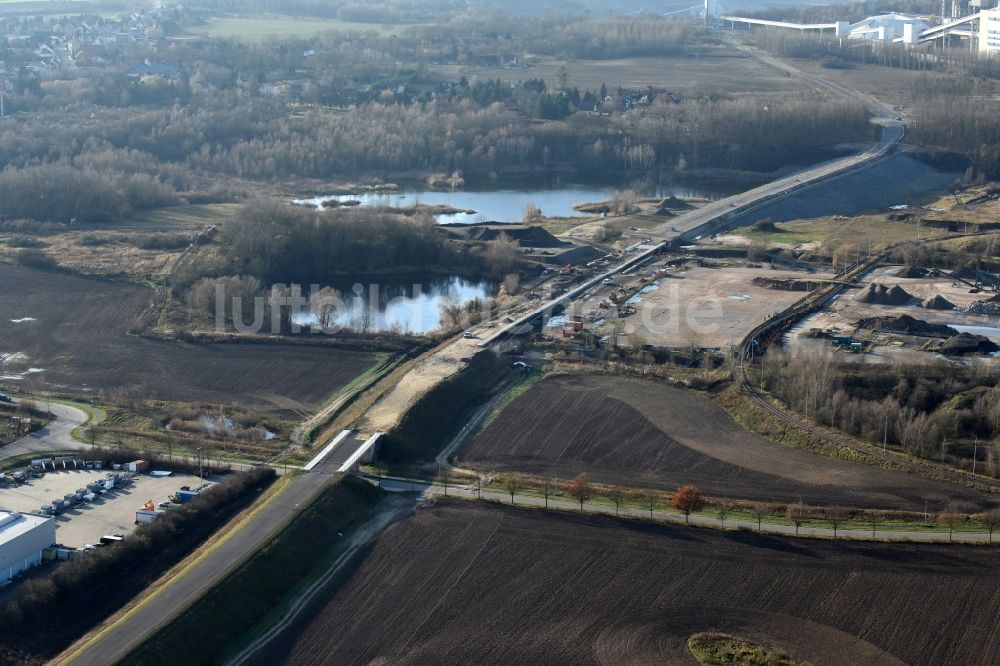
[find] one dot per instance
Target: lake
(412, 306)
(503, 205)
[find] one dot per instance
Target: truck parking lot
(110, 513)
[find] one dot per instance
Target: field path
(846, 534)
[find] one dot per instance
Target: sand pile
(879, 294)
(939, 302)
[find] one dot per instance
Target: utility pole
(975, 449)
(201, 474)
(885, 432)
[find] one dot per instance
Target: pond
(500, 205)
(405, 306)
(990, 332)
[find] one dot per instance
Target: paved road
(405, 485)
(57, 436)
(718, 215)
(186, 588)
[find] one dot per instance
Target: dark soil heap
(913, 272)
(939, 302)
(880, 294)
(766, 226)
(786, 285)
(523, 235)
(671, 204)
(907, 325)
(967, 343)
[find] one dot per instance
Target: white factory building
(887, 27)
(23, 537)
(989, 31)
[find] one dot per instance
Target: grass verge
(272, 493)
(515, 391)
(235, 610)
(757, 420)
(712, 649)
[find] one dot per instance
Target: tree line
(687, 499)
(931, 410)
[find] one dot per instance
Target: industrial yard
(929, 297)
(109, 513)
(691, 303)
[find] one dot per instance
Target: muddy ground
(709, 306)
(75, 331)
(485, 584)
(632, 432)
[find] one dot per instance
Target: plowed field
(633, 432)
(75, 331)
(481, 584)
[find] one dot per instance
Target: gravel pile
(880, 294)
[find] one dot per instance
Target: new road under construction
(351, 447)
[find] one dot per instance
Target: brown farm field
(485, 584)
(632, 432)
(75, 331)
(701, 69)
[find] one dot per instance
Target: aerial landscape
(555, 332)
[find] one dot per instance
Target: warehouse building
(23, 536)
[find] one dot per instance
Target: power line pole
(4, 83)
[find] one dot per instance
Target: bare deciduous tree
(580, 489)
(796, 514)
(511, 483)
(617, 497)
(836, 516)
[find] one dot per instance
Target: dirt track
(79, 337)
(466, 583)
(632, 432)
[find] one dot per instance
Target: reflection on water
(403, 306)
(990, 332)
(495, 205)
